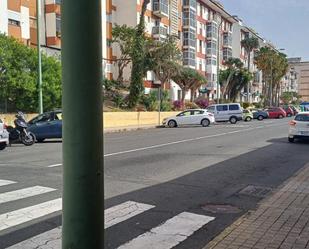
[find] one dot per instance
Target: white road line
(23, 193)
(170, 233)
(177, 142)
(17, 217)
(54, 165)
(123, 212)
(113, 216)
(49, 239)
(5, 182)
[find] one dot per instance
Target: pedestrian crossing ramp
(168, 234)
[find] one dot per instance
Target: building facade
(207, 35)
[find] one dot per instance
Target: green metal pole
(218, 62)
(83, 195)
(38, 19)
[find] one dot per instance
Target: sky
(283, 22)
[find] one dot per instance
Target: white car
(299, 127)
(190, 117)
(4, 136)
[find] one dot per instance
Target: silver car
(4, 136)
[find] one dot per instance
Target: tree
(232, 64)
(249, 44)
(138, 60)
(165, 58)
(188, 79)
(274, 66)
(18, 77)
(123, 36)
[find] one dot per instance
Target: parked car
(299, 127)
(190, 117)
(46, 125)
(295, 110)
(276, 112)
(289, 111)
(259, 114)
(247, 115)
(4, 136)
(226, 112)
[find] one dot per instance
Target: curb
(126, 129)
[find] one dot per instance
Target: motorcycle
(20, 133)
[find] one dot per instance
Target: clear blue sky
(284, 22)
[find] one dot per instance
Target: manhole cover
(221, 209)
(256, 191)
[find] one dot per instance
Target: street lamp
(39, 79)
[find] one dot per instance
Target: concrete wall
(113, 119)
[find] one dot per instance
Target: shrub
(118, 100)
(150, 101)
(177, 105)
(202, 103)
(245, 105)
(191, 105)
(166, 106)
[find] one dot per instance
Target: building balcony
(227, 40)
(160, 8)
(159, 32)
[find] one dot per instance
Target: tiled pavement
(280, 221)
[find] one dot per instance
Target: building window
(212, 30)
(189, 57)
(14, 22)
(211, 48)
(58, 25)
(227, 53)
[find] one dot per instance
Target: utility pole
(218, 62)
(83, 195)
(271, 83)
(39, 79)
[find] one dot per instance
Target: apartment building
(15, 18)
(207, 34)
(299, 73)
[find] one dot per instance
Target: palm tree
(249, 44)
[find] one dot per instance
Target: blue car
(259, 114)
(46, 125)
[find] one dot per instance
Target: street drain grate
(221, 209)
(255, 191)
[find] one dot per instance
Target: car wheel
(233, 120)
(248, 119)
(172, 124)
(280, 116)
(205, 122)
(260, 118)
(2, 146)
(289, 115)
(41, 140)
(291, 139)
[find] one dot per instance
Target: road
(169, 188)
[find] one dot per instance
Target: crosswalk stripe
(113, 216)
(23, 215)
(170, 233)
(5, 182)
(24, 193)
(123, 212)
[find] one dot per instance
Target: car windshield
(41, 118)
(302, 117)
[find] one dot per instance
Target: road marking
(177, 142)
(23, 215)
(5, 182)
(113, 216)
(54, 165)
(23, 193)
(123, 212)
(170, 233)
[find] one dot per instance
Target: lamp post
(39, 79)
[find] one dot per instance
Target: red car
(289, 111)
(276, 112)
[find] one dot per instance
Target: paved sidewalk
(280, 221)
(128, 128)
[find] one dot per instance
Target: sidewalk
(280, 221)
(129, 128)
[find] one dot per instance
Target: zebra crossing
(166, 235)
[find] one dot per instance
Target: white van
(226, 112)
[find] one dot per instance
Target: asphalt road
(158, 180)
